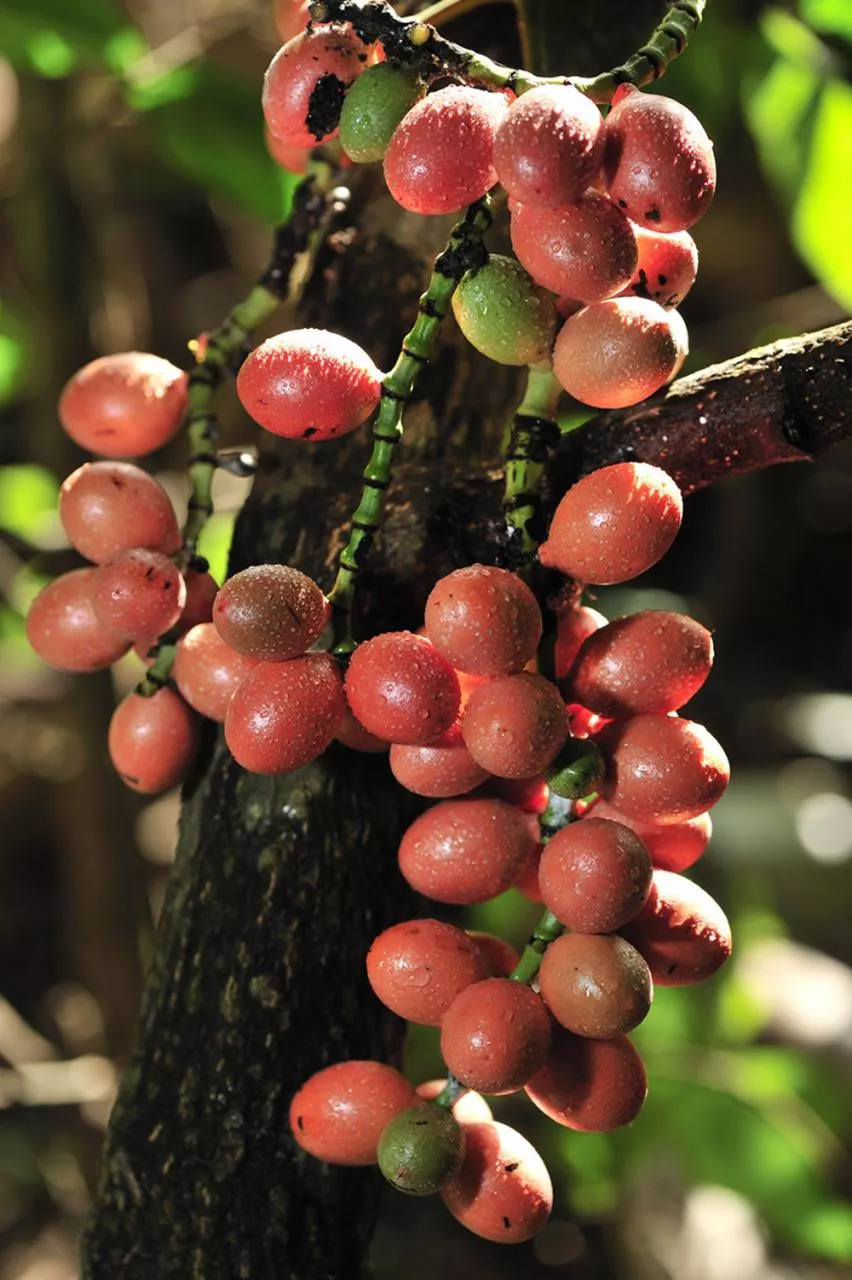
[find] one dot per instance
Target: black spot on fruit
(324, 106)
(653, 214)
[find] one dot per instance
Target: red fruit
(293, 159)
(419, 967)
(305, 84)
(682, 932)
(674, 847)
(399, 688)
(650, 661)
(140, 593)
(441, 156)
(471, 1107)
(495, 1036)
(614, 524)
(466, 851)
(354, 736)
(110, 507)
(502, 1191)
(270, 612)
(285, 714)
(590, 1085)
(339, 1113)
(124, 405)
(595, 875)
(64, 630)
(585, 250)
(309, 384)
(595, 985)
(446, 768)
(484, 620)
(666, 269)
(515, 725)
(207, 671)
(531, 795)
(658, 161)
(201, 589)
(572, 628)
(152, 741)
(663, 769)
(527, 882)
(550, 146)
(291, 18)
(500, 957)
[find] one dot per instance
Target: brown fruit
(495, 1036)
(590, 1085)
(595, 875)
(662, 769)
(515, 725)
(681, 931)
(595, 985)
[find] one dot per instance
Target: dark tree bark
(280, 884)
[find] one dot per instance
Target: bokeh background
(137, 196)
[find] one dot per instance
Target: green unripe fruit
(504, 313)
(373, 107)
(420, 1149)
(578, 770)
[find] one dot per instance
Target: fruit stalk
(533, 435)
(464, 250)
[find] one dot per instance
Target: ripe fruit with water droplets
(585, 250)
(442, 769)
(595, 985)
(400, 688)
(502, 1192)
(484, 620)
(64, 630)
(619, 351)
(614, 524)
(152, 741)
(124, 405)
(550, 146)
(682, 932)
(593, 1086)
(666, 268)
(309, 384)
(495, 1035)
(139, 593)
(207, 671)
(339, 1113)
(595, 875)
(417, 968)
(284, 714)
(515, 725)
(663, 769)
(306, 82)
(270, 612)
(110, 507)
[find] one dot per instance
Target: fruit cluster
(552, 743)
(600, 208)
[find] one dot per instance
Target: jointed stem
(464, 250)
(413, 42)
(533, 435)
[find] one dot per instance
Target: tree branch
(788, 402)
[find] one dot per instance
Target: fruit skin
(649, 661)
(400, 688)
(417, 968)
(293, 159)
(658, 161)
(550, 146)
(667, 267)
(421, 1149)
(373, 108)
(585, 250)
(207, 671)
(500, 957)
(484, 620)
(467, 851)
(443, 769)
(673, 847)
(595, 875)
(592, 1086)
(309, 384)
(515, 725)
(495, 1036)
(124, 405)
(596, 985)
(682, 932)
(140, 593)
(619, 351)
(270, 612)
(502, 1192)
(471, 1107)
(339, 1113)
(504, 313)
(614, 524)
(64, 630)
(572, 628)
(356, 738)
(152, 741)
(663, 769)
(110, 507)
(284, 714)
(441, 156)
(305, 84)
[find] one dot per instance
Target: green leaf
(28, 496)
(831, 16)
(14, 355)
(822, 216)
(52, 36)
(215, 543)
(214, 136)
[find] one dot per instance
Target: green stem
(546, 931)
(533, 435)
(464, 250)
(414, 42)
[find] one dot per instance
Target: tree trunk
(280, 884)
